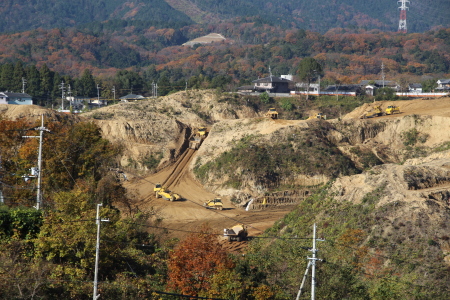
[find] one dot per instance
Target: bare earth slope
(162, 125)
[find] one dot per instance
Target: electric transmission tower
(402, 22)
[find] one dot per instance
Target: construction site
(181, 202)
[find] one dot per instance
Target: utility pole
(63, 89)
(24, 82)
(69, 92)
(39, 169)
(318, 89)
(98, 94)
(97, 251)
(311, 263)
(382, 72)
(402, 22)
(114, 93)
(153, 89)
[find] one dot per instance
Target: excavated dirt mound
(434, 107)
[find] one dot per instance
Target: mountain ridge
(22, 15)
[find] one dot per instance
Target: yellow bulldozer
(392, 109)
(319, 116)
(216, 203)
(271, 113)
(197, 138)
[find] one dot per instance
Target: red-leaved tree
(194, 262)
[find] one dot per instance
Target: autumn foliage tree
(195, 261)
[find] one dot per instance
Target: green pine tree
(6, 77)
(18, 76)
(33, 87)
(46, 77)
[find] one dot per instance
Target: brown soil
(188, 215)
(434, 107)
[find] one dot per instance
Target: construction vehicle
(374, 112)
(392, 109)
(319, 116)
(167, 195)
(197, 138)
(236, 233)
(216, 203)
(157, 188)
(271, 113)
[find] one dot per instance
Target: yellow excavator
(216, 203)
(374, 112)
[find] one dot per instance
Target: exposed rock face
(415, 194)
(162, 126)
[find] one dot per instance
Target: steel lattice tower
(402, 22)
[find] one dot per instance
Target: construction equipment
(167, 195)
(374, 112)
(236, 233)
(216, 203)
(157, 188)
(271, 113)
(319, 116)
(197, 138)
(392, 109)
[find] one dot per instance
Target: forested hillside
(22, 15)
(316, 15)
(131, 60)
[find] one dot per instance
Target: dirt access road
(188, 215)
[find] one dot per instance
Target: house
(131, 97)
(272, 84)
(415, 88)
(15, 98)
(443, 85)
(371, 85)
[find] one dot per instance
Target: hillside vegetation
(314, 15)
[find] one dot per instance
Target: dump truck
(374, 112)
(167, 195)
(319, 116)
(197, 138)
(271, 113)
(216, 203)
(392, 109)
(236, 233)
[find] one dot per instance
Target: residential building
(443, 85)
(415, 88)
(272, 84)
(15, 98)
